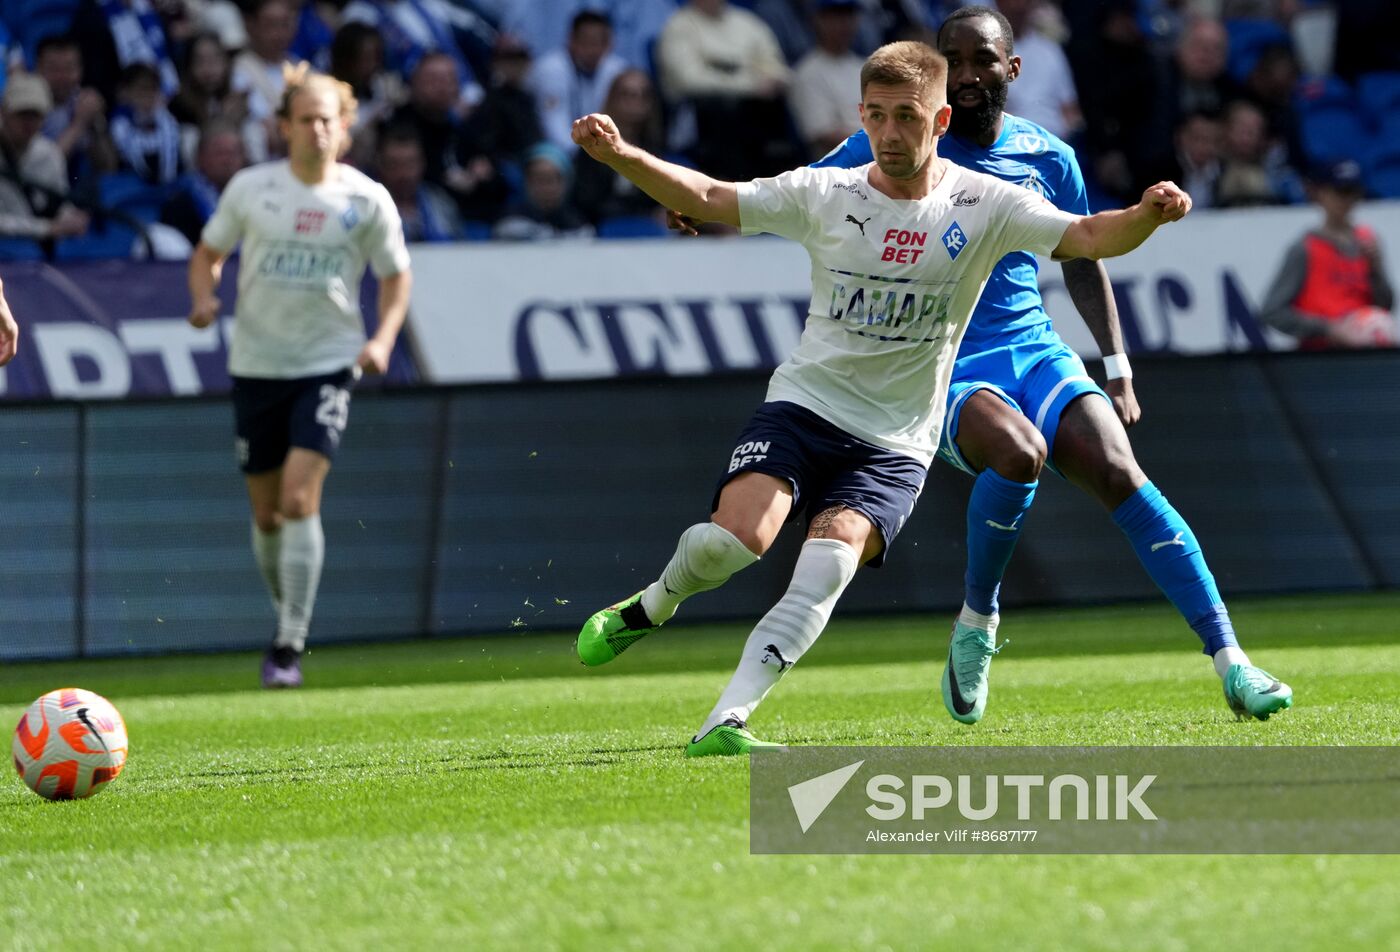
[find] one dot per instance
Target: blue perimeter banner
(115, 329)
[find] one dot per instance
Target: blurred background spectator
(207, 94)
(1332, 290)
(795, 30)
(1044, 93)
(573, 81)
(1198, 138)
(357, 59)
(428, 212)
(78, 121)
(1202, 52)
(1248, 176)
(146, 135)
(33, 173)
(599, 192)
(114, 34)
(506, 124)
(259, 70)
(545, 210)
(723, 65)
(219, 155)
(825, 90)
(413, 29)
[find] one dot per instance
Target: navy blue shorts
(826, 467)
(272, 416)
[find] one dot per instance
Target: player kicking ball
(308, 226)
(900, 251)
(1021, 398)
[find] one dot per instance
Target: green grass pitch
(490, 793)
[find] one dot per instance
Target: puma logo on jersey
(1175, 540)
(857, 222)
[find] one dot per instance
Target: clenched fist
(597, 135)
(1166, 201)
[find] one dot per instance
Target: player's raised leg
(1093, 451)
(301, 557)
(838, 541)
(995, 440)
(752, 509)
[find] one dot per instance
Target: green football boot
(1254, 692)
(970, 653)
(613, 630)
(728, 739)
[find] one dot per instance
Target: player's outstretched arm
(1092, 293)
(1114, 233)
(9, 330)
(687, 191)
(393, 308)
(206, 267)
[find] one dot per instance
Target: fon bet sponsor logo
(750, 452)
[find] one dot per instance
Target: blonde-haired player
(308, 225)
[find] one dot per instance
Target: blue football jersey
(1011, 309)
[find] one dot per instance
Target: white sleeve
(384, 245)
(224, 229)
(779, 205)
(1028, 221)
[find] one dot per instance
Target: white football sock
(824, 568)
(972, 619)
(267, 547)
(706, 556)
(299, 573)
(1227, 656)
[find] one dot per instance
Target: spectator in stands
(435, 112)
(825, 86)
(413, 29)
(315, 32)
(1202, 53)
(428, 212)
(1127, 102)
(545, 211)
(725, 64)
(219, 156)
(1044, 93)
(793, 26)
(544, 24)
(207, 95)
(599, 192)
(573, 81)
(146, 135)
(78, 121)
(260, 69)
(33, 173)
(1198, 166)
(357, 59)
(1271, 85)
(117, 33)
(1246, 178)
(1332, 290)
(505, 125)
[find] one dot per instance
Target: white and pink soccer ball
(69, 744)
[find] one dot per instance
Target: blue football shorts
(826, 466)
(271, 416)
(1038, 378)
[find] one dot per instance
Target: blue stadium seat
(1383, 178)
(1249, 38)
(20, 249)
(631, 226)
(114, 241)
(1379, 93)
(1333, 133)
(476, 230)
(128, 192)
(1327, 91)
(32, 20)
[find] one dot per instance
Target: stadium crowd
(122, 120)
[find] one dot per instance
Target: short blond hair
(907, 61)
(302, 77)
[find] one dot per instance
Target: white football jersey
(303, 256)
(894, 283)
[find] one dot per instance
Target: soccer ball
(69, 744)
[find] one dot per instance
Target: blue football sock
(1169, 551)
(993, 525)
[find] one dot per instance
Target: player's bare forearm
(1087, 282)
(1113, 233)
(394, 292)
(691, 193)
(206, 268)
(9, 330)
